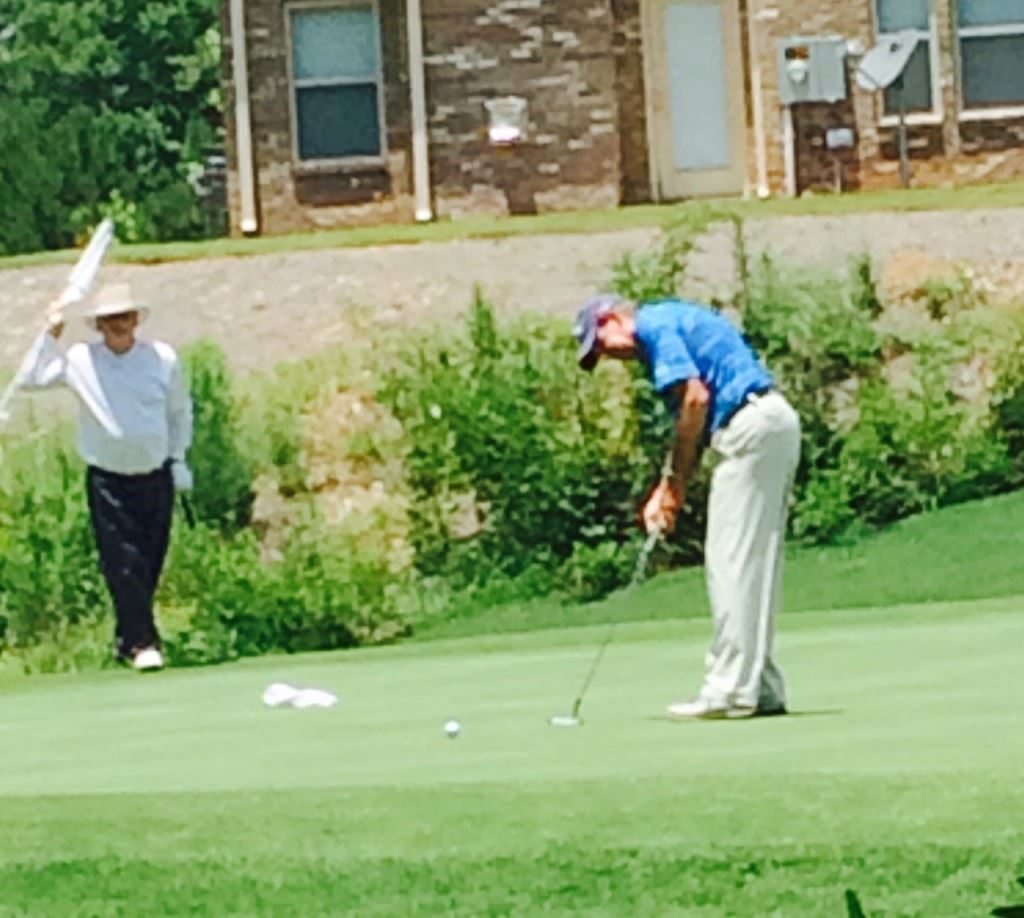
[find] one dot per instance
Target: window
(336, 79)
(919, 82)
(991, 52)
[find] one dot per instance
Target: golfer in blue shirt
(723, 397)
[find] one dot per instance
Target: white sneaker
(147, 660)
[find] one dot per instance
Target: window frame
(934, 115)
(985, 112)
(335, 163)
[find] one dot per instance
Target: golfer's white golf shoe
(148, 659)
(699, 708)
(704, 709)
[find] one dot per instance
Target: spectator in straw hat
(134, 427)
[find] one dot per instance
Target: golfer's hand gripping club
(660, 510)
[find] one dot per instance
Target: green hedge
(885, 433)
(522, 466)
(516, 460)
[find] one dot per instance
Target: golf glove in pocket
(182, 476)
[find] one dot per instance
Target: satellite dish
(884, 64)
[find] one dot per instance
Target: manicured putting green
(898, 777)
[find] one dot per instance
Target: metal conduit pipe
(417, 91)
(248, 223)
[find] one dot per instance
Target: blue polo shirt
(681, 340)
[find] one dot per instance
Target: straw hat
(112, 300)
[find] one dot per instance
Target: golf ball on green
(452, 729)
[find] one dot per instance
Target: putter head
(572, 719)
(565, 720)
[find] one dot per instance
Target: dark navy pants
(131, 519)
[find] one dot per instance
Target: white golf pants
(759, 450)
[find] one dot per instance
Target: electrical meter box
(812, 69)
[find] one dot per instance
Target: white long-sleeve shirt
(134, 410)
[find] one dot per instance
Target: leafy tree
(106, 106)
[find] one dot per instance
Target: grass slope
(180, 794)
(970, 551)
(1009, 194)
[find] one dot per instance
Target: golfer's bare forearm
(693, 410)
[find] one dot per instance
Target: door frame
(656, 106)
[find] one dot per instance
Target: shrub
(816, 334)
(49, 580)
(68, 647)
(223, 479)
(593, 571)
(655, 275)
(515, 458)
(1006, 362)
(864, 294)
(812, 325)
(333, 591)
(879, 444)
(946, 297)
(329, 591)
(903, 457)
(272, 414)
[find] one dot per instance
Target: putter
(573, 719)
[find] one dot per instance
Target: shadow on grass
(855, 910)
(761, 718)
(1010, 911)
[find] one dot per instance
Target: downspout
(243, 122)
(755, 18)
(418, 93)
(647, 52)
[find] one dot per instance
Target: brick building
(342, 112)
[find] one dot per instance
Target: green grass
(180, 794)
(970, 551)
(896, 778)
(489, 227)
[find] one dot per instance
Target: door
(696, 97)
